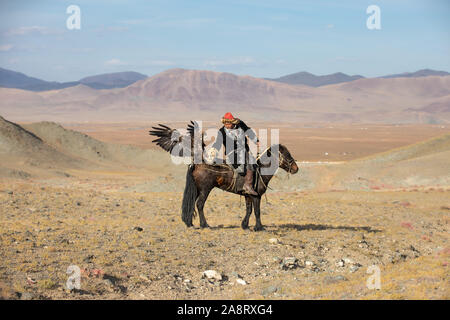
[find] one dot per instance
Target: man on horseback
(233, 135)
(201, 179)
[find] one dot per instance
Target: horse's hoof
(244, 226)
(258, 228)
(204, 226)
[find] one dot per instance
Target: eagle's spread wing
(169, 138)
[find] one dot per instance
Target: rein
(258, 174)
(282, 158)
(289, 163)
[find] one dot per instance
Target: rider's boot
(248, 189)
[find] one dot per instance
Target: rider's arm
(249, 132)
(218, 142)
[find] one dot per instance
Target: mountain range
(13, 79)
(419, 73)
(309, 79)
(182, 95)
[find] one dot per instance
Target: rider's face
(229, 125)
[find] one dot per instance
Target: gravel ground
(130, 244)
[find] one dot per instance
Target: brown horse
(202, 178)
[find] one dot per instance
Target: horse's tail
(189, 198)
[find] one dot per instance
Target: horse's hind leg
(201, 199)
(248, 203)
(257, 205)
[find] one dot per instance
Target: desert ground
(307, 141)
(108, 202)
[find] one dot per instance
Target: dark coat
(223, 139)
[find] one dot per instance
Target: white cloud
(6, 47)
(115, 62)
(21, 31)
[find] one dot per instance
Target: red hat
(228, 117)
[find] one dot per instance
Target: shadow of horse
(303, 227)
(221, 226)
(308, 227)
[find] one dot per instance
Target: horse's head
(285, 160)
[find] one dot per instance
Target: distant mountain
(311, 80)
(12, 79)
(419, 73)
(17, 80)
(112, 80)
(181, 95)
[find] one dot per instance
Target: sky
(260, 38)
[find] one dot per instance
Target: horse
(202, 178)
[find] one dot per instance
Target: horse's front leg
(257, 205)
(200, 204)
(248, 203)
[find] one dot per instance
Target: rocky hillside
(46, 148)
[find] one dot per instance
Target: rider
(233, 135)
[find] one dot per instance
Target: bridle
(282, 159)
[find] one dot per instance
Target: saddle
(237, 184)
(239, 172)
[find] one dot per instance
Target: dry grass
(45, 228)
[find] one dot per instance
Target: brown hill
(185, 93)
(441, 105)
(79, 145)
(23, 151)
(76, 93)
(422, 164)
(48, 149)
(432, 86)
(180, 94)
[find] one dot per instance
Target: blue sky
(260, 38)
